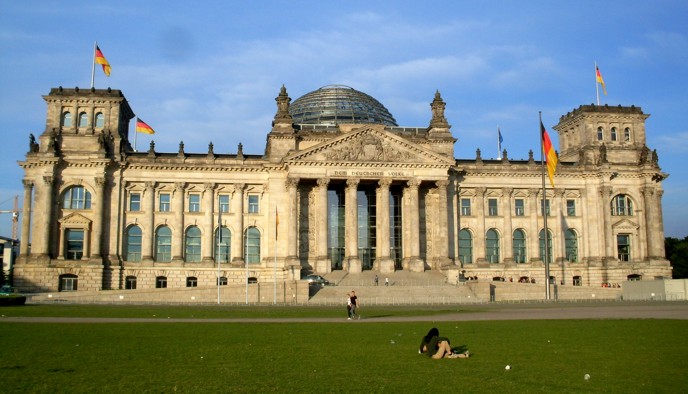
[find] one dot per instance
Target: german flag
(549, 154)
(142, 127)
(100, 59)
(598, 77)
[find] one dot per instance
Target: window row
(193, 203)
(519, 252)
(614, 134)
(66, 120)
(70, 282)
(222, 245)
(621, 205)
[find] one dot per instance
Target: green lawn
(624, 356)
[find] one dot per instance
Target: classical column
(43, 247)
(148, 222)
(442, 234)
(97, 230)
(508, 252)
(26, 218)
(178, 241)
(238, 225)
(209, 223)
(322, 262)
(534, 236)
(658, 244)
(608, 241)
(292, 185)
(412, 233)
(383, 262)
(351, 222)
(480, 232)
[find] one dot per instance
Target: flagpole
(93, 64)
(597, 85)
(136, 135)
(219, 246)
(274, 301)
(543, 206)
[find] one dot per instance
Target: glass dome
(334, 104)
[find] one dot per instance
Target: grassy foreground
(551, 355)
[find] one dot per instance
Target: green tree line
(677, 253)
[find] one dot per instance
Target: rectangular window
(134, 202)
(253, 203)
(224, 203)
(570, 207)
(623, 247)
(519, 207)
(194, 202)
(130, 283)
(161, 282)
(164, 202)
(544, 207)
(75, 244)
(466, 206)
(492, 207)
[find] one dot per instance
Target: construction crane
(15, 217)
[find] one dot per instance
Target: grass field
(624, 356)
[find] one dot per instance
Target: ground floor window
(191, 281)
(465, 247)
(252, 245)
(161, 282)
(623, 247)
(492, 246)
(222, 281)
(577, 281)
(68, 282)
(130, 283)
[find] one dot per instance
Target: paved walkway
(659, 310)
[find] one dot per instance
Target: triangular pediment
(370, 144)
(76, 220)
(625, 224)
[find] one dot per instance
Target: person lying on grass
(439, 347)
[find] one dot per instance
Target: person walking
(354, 305)
(348, 306)
(376, 280)
(386, 281)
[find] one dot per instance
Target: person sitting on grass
(439, 347)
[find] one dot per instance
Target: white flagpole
(597, 85)
(543, 207)
(274, 301)
(93, 64)
(219, 246)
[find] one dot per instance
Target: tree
(677, 253)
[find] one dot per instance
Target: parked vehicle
(317, 280)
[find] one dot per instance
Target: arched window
(465, 247)
(600, 134)
(163, 244)
(100, 120)
(193, 245)
(519, 242)
(161, 282)
(68, 282)
(613, 134)
(76, 197)
(627, 134)
(549, 245)
(66, 119)
(74, 249)
(83, 119)
(622, 205)
(252, 249)
(130, 282)
(223, 242)
(492, 246)
(571, 243)
(133, 244)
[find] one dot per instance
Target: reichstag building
(340, 186)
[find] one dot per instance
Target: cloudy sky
(210, 70)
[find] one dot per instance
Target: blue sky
(210, 70)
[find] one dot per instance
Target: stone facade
(349, 196)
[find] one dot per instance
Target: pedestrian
(348, 306)
(376, 280)
(386, 281)
(354, 305)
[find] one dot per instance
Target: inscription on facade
(369, 174)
